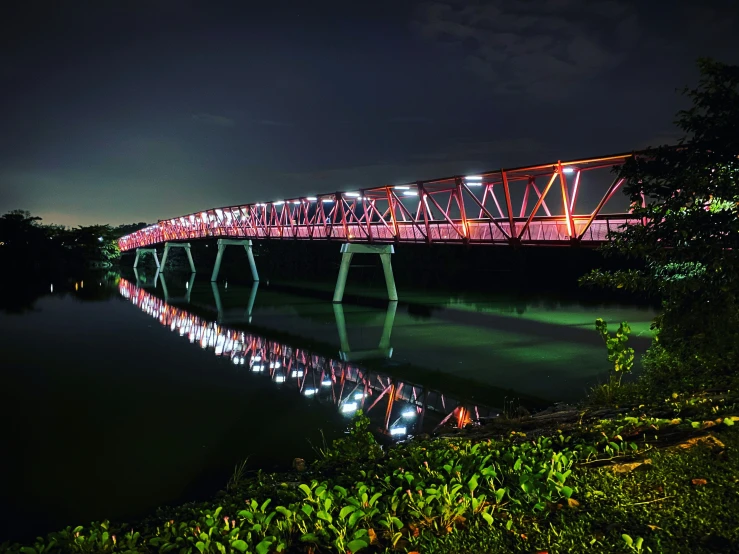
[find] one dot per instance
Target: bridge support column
(347, 252)
(141, 251)
(185, 245)
(222, 243)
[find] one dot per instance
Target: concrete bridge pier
(347, 252)
(141, 251)
(185, 245)
(222, 243)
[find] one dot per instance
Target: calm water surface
(121, 395)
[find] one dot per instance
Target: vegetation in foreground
(604, 486)
(687, 197)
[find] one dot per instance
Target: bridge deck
(467, 210)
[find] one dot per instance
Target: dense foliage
(509, 494)
(26, 242)
(687, 197)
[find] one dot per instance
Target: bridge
(407, 408)
(535, 205)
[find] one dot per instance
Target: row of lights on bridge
(471, 181)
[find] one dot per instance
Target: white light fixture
(280, 379)
(298, 373)
(474, 178)
(398, 431)
(327, 200)
(278, 203)
(326, 382)
(359, 396)
(401, 187)
(351, 194)
(409, 414)
(349, 407)
(310, 392)
(296, 202)
(236, 360)
(257, 358)
(311, 198)
(410, 193)
(257, 368)
(569, 170)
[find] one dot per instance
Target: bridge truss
(535, 205)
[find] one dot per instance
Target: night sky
(129, 111)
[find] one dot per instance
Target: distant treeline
(28, 244)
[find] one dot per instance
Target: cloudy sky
(138, 110)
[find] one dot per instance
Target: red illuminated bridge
(537, 205)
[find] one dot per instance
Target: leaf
(487, 517)
(308, 510)
(567, 492)
(284, 511)
(356, 516)
(472, 483)
(728, 421)
(200, 545)
(309, 537)
(627, 539)
(357, 544)
(325, 516)
(305, 488)
(638, 543)
(499, 494)
(240, 545)
(346, 510)
(264, 546)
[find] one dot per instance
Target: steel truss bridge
(536, 205)
(408, 408)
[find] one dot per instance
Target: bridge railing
(530, 205)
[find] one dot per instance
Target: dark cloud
(217, 120)
(534, 47)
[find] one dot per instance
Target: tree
(687, 197)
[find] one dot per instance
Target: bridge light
(278, 202)
(280, 379)
(569, 170)
(349, 407)
(296, 202)
(327, 200)
(410, 193)
(398, 431)
(326, 383)
(409, 414)
(473, 178)
(401, 187)
(351, 194)
(310, 392)
(311, 198)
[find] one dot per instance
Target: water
(122, 395)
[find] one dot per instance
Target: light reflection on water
(401, 407)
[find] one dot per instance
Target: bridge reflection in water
(408, 408)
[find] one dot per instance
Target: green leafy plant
(619, 354)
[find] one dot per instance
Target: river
(124, 393)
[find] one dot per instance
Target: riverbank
(566, 480)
